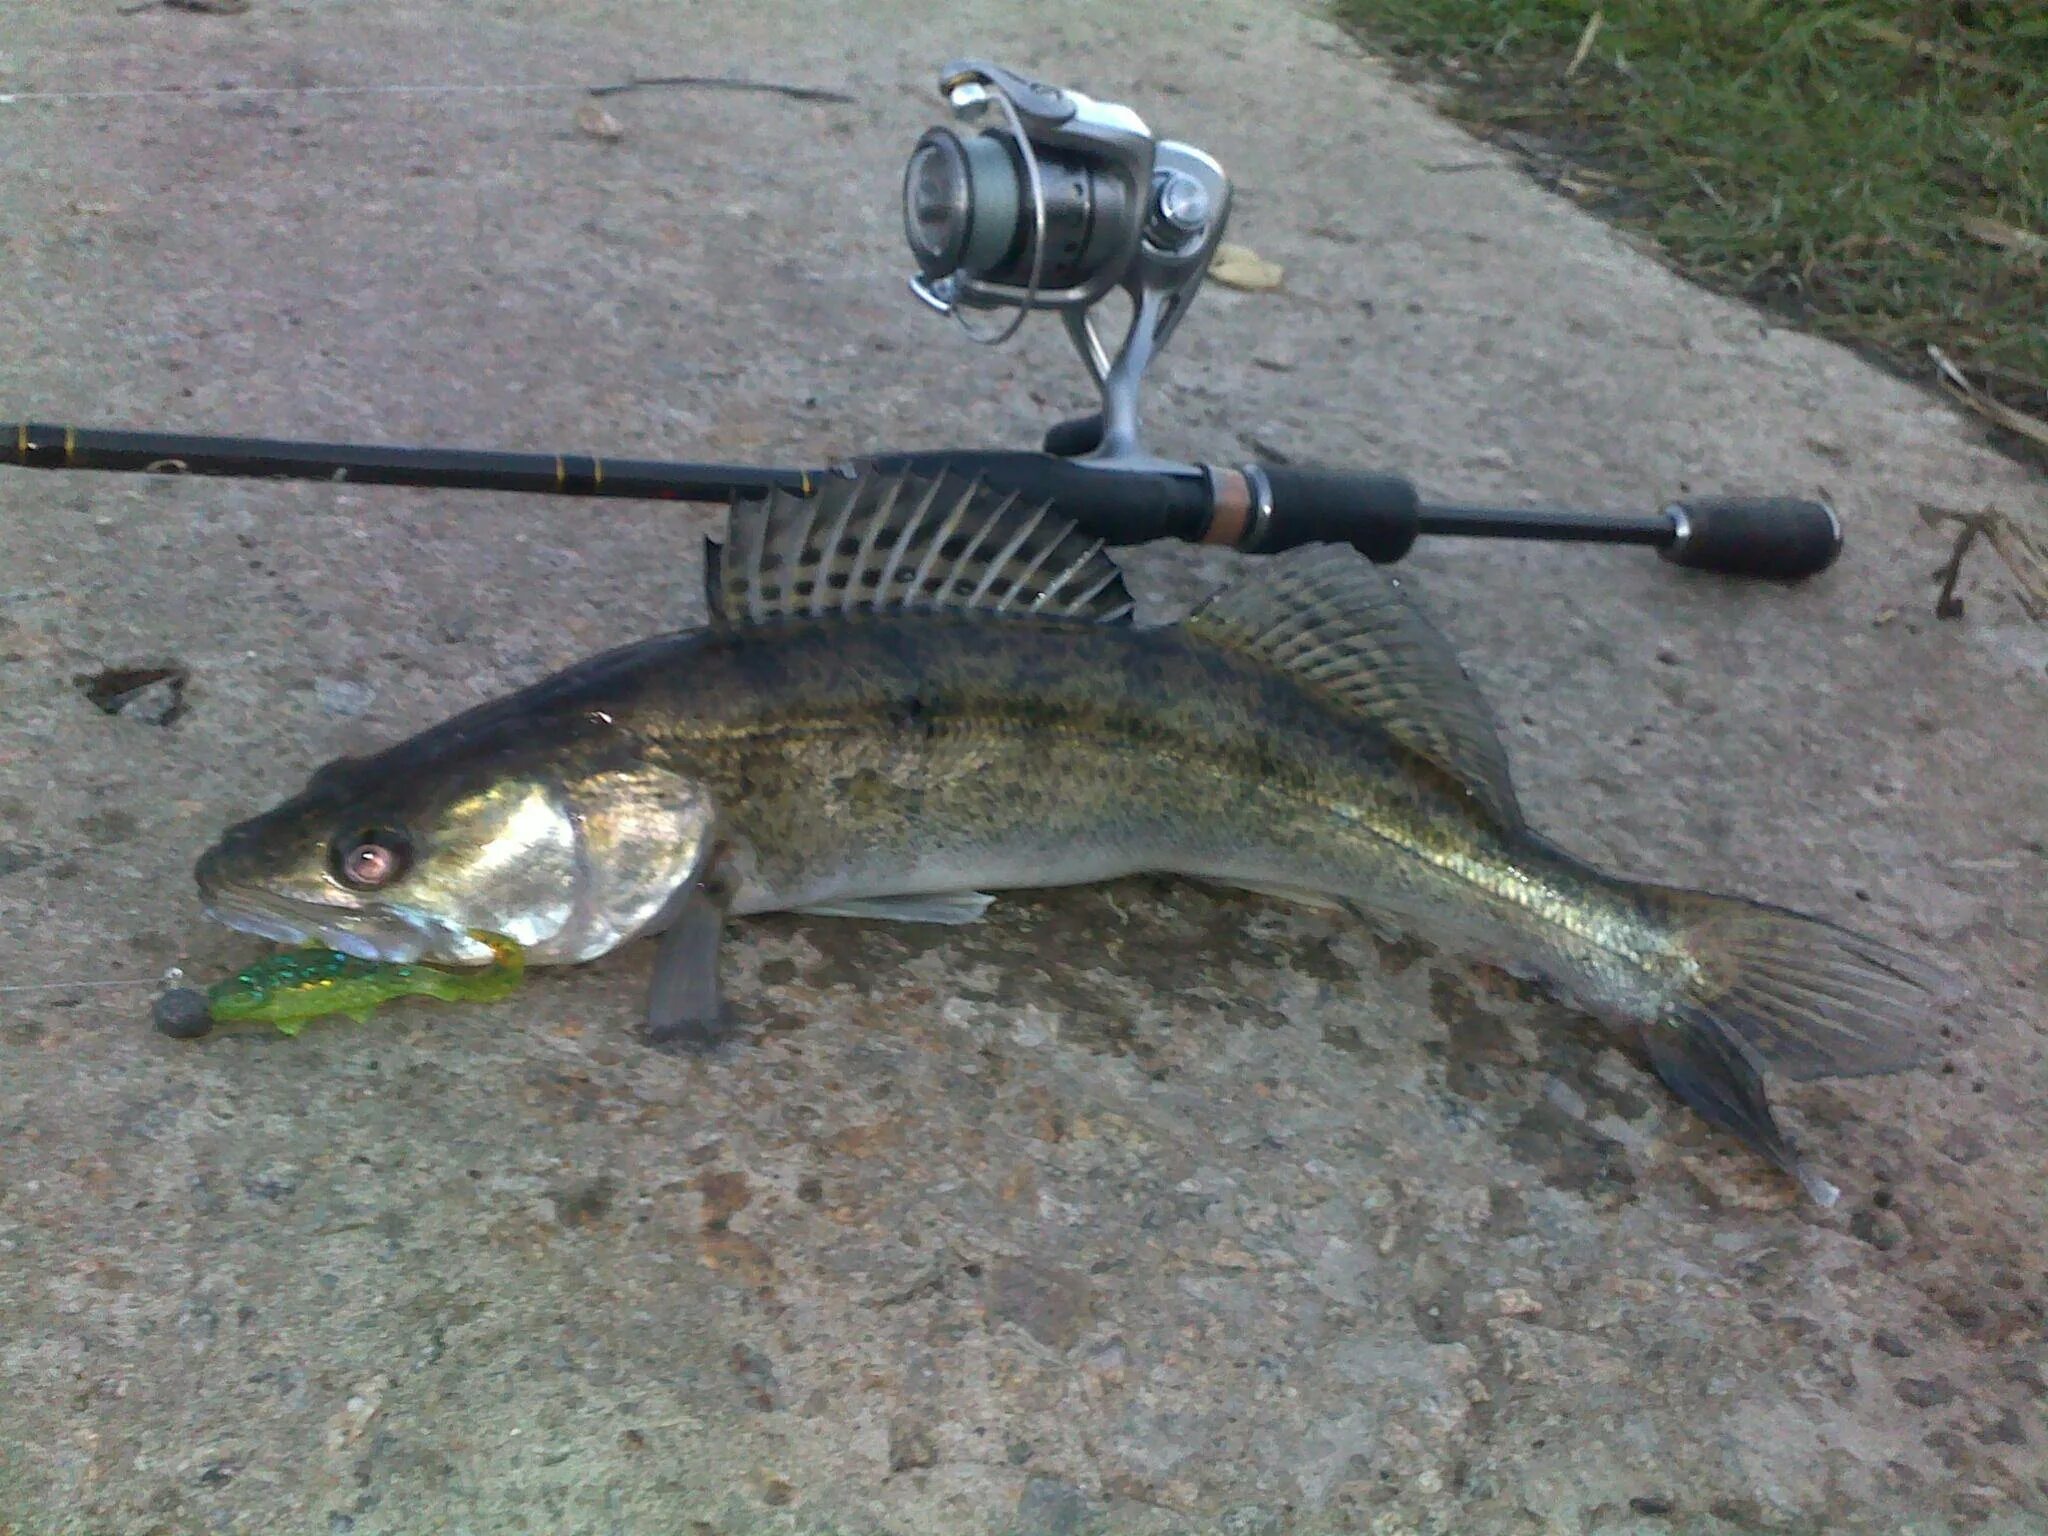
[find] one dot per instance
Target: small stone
(361, 1406)
(2025, 1373)
(1883, 1230)
(15, 857)
(1925, 1392)
(339, 696)
(1963, 1145)
(757, 1372)
(2007, 1429)
(1515, 1302)
(1651, 1504)
(1049, 1303)
(152, 704)
(911, 1445)
(598, 123)
(1276, 355)
(1048, 1507)
(1891, 1344)
(1110, 1363)
(725, 1195)
(183, 1013)
(1746, 1185)
(1228, 1255)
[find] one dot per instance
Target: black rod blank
(1775, 538)
(35, 445)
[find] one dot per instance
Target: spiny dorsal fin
(907, 542)
(1329, 617)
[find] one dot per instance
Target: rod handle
(1377, 515)
(1776, 538)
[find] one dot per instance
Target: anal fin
(1320, 900)
(948, 907)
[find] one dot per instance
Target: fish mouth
(390, 936)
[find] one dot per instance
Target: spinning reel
(1068, 200)
(1049, 199)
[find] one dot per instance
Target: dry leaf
(1599, 19)
(599, 124)
(2005, 237)
(1992, 410)
(1879, 32)
(1239, 266)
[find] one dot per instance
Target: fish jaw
(391, 936)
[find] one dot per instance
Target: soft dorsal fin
(906, 542)
(1330, 617)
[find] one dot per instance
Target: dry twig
(2024, 552)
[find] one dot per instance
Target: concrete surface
(1138, 1209)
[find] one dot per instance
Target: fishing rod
(1054, 203)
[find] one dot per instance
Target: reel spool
(1061, 202)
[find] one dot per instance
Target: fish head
(567, 849)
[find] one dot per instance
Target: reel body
(1064, 201)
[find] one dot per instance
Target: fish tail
(1760, 990)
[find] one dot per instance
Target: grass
(1876, 170)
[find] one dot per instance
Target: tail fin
(1769, 990)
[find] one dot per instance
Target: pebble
(152, 704)
(1924, 1392)
(183, 1013)
(339, 696)
(1516, 1302)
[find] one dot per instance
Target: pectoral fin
(686, 1006)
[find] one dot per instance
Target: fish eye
(373, 857)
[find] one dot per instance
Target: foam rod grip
(1778, 538)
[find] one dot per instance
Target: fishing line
(73, 986)
(18, 98)
(440, 88)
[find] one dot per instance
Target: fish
(299, 985)
(912, 692)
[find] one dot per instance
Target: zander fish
(912, 691)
